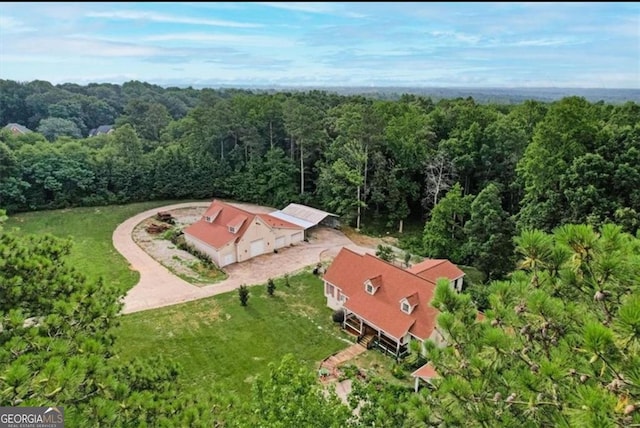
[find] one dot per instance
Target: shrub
(243, 294)
(338, 315)
(398, 372)
(271, 287)
(384, 252)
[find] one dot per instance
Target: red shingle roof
(237, 221)
(414, 299)
(432, 269)
(217, 233)
(425, 372)
(350, 270)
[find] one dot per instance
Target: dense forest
(473, 174)
(552, 189)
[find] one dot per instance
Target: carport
(306, 217)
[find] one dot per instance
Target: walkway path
(159, 287)
(331, 363)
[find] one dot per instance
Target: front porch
(361, 329)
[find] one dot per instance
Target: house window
(232, 229)
(369, 288)
(328, 289)
(405, 307)
(208, 219)
(341, 297)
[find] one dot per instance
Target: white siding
(281, 241)
(229, 258)
(257, 247)
(203, 247)
(332, 292)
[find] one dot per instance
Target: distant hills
(481, 95)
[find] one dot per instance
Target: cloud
(135, 15)
(456, 36)
(227, 39)
(74, 46)
(9, 25)
(311, 7)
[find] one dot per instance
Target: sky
(422, 44)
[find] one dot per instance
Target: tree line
(474, 174)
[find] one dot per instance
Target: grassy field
(91, 229)
(218, 341)
(215, 340)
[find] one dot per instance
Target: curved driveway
(159, 287)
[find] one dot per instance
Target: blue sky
(324, 44)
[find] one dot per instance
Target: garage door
(280, 242)
(229, 258)
(296, 237)
(257, 247)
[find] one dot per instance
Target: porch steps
(366, 340)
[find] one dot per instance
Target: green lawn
(91, 229)
(217, 341)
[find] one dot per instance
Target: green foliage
(57, 339)
(290, 395)
(489, 230)
(385, 252)
(54, 127)
(559, 345)
(444, 235)
(382, 403)
(243, 294)
(407, 258)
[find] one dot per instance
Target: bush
(243, 294)
(172, 235)
(338, 315)
(384, 252)
(271, 287)
(398, 372)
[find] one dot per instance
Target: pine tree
(560, 345)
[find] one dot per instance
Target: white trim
(369, 288)
(408, 309)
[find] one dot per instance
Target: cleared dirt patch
(178, 261)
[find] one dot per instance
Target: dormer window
(408, 304)
(232, 229)
(371, 285)
(406, 308)
(211, 217)
(370, 288)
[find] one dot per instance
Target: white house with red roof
(229, 234)
(383, 303)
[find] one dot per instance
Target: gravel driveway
(159, 287)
